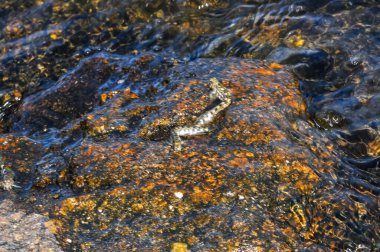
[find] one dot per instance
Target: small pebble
(179, 195)
(230, 194)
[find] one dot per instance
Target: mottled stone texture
(20, 231)
(263, 178)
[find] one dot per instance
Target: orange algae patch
(374, 147)
(304, 187)
(302, 168)
(179, 247)
(250, 135)
(212, 181)
(44, 182)
(81, 203)
(148, 187)
(276, 66)
(185, 25)
(13, 94)
(17, 94)
(103, 97)
(268, 225)
(39, 2)
(267, 35)
(237, 89)
(137, 207)
(299, 42)
(239, 162)
(296, 104)
(125, 149)
(194, 82)
(243, 153)
(118, 192)
(305, 177)
(55, 35)
(201, 196)
(128, 94)
(262, 101)
(144, 59)
(296, 40)
(106, 96)
(263, 71)
(261, 138)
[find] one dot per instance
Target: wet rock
(9, 99)
(356, 142)
(308, 63)
(111, 179)
(94, 81)
(74, 95)
(262, 173)
(329, 119)
(368, 164)
(19, 155)
(20, 231)
(48, 170)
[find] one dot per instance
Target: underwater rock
(307, 63)
(109, 177)
(20, 231)
(19, 155)
(73, 96)
(263, 172)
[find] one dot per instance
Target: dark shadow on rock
(73, 96)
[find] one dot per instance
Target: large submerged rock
(263, 178)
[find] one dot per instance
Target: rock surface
(20, 231)
(263, 178)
